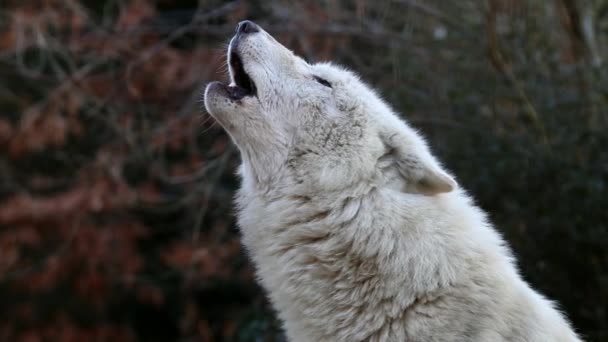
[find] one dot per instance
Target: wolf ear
(419, 171)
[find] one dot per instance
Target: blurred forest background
(116, 222)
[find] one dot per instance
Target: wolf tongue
(237, 92)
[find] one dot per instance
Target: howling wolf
(356, 231)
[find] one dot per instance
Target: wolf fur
(356, 230)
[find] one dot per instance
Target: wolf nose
(247, 26)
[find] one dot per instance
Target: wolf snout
(247, 26)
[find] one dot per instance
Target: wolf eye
(322, 81)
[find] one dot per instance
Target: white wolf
(356, 231)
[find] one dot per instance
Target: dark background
(116, 222)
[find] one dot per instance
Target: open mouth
(242, 85)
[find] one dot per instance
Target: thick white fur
(356, 231)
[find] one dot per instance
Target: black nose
(247, 26)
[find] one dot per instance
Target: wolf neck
(344, 243)
(260, 168)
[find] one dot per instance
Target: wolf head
(314, 125)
